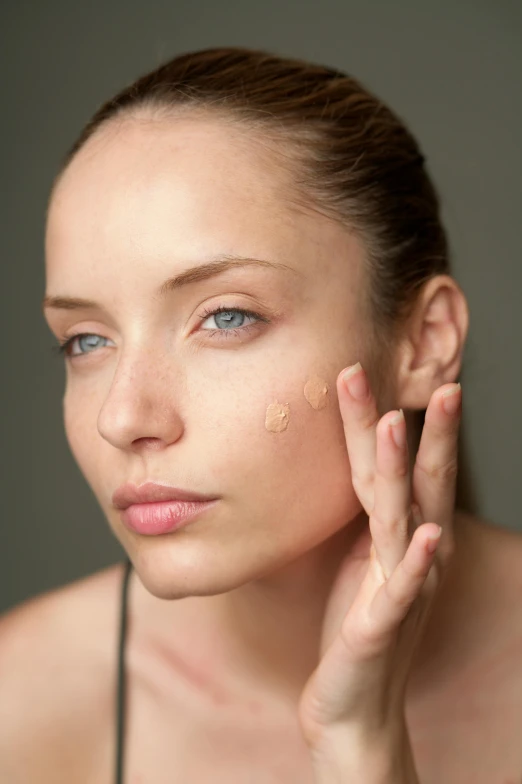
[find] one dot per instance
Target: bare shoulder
(501, 546)
(493, 560)
(494, 557)
(57, 679)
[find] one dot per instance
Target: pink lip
(150, 492)
(161, 517)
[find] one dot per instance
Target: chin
(176, 569)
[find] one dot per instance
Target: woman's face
(159, 391)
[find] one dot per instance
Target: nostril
(148, 441)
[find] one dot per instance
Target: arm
(345, 759)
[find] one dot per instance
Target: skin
(161, 398)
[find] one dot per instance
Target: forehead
(169, 168)
(144, 188)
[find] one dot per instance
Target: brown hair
(350, 158)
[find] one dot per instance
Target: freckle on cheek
(316, 391)
(277, 416)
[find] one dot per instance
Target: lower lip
(162, 517)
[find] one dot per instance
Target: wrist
(347, 756)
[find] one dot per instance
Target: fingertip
(433, 539)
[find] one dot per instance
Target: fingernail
(397, 430)
(451, 400)
(356, 382)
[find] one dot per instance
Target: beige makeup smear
(277, 415)
(315, 391)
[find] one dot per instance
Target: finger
(360, 418)
(435, 471)
(391, 521)
(396, 596)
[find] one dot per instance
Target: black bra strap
(120, 699)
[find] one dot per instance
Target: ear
(430, 352)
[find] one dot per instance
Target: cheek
(281, 451)
(79, 416)
(275, 447)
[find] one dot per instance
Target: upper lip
(145, 493)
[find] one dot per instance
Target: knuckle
(398, 526)
(441, 429)
(369, 418)
(439, 472)
(401, 470)
(362, 479)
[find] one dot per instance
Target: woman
(227, 236)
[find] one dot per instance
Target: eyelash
(63, 348)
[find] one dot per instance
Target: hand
(358, 688)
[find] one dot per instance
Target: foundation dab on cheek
(277, 415)
(316, 391)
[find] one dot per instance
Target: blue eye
(65, 348)
(228, 319)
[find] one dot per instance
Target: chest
(252, 746)
(472, 738)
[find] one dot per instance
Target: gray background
(451, 69)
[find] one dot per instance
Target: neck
(276, 626)
(267, 636)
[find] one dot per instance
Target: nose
(140, 411)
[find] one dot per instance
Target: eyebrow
(190, 275)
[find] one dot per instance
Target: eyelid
(65, 345)
(214, 311)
